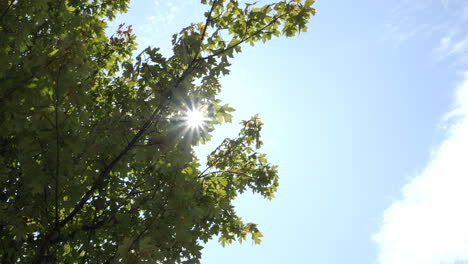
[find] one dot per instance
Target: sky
(366, 115)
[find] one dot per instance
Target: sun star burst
(195, 119)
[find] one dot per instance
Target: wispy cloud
(429, 224)
(446, 21)
(159, 21)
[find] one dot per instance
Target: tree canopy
(96, 153)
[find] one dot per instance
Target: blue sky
(365, 115)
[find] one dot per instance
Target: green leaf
(52, 53)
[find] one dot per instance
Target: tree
(96, 156)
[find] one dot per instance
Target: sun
(195, 118)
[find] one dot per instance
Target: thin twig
(230, 172)
(217, 160)
(205, 27)
(57, 148)
(7, 9)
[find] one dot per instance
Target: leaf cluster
(96, 162)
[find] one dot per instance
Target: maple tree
(96, 156)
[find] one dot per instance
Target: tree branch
(101, 177)
(243, 40)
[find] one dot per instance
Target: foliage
(96, 161)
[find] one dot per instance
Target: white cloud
(429, 225)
